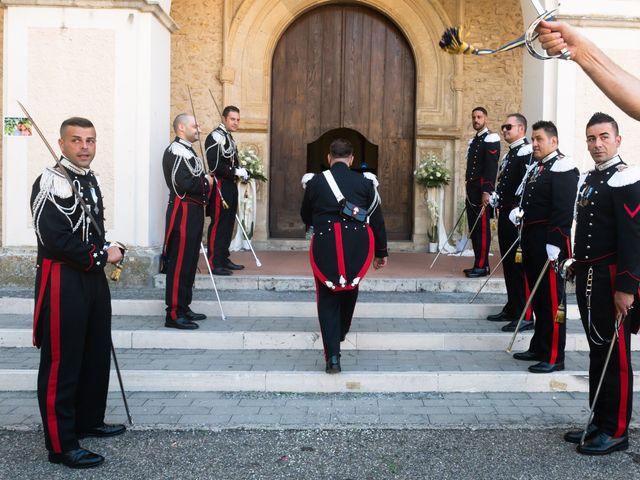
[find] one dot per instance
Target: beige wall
(494, 82)
(233, 41)
(196, 57)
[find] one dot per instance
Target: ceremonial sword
(619, 319)
(453, 41)
(495, 268)
(448, 238)
(484, 207)
(86, 210)
(528, 304)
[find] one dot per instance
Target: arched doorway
(342, 66)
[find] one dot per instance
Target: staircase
(409, 335)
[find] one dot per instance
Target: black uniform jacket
(549, 196)
(608, 221)
(512, 170)
(64, 233)
(184, 173)
(482, 159)
(221, 153)
(341, 249)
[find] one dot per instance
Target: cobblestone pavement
(339, 410)
(362, 454)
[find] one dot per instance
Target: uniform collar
(223, 128)
(609, 163)
(482, 132)
(551, 156)
(184, 142)
(517, 143)
(66, 163)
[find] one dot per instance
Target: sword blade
(538, 6)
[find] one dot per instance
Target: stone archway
(252, 31)
(342, 66)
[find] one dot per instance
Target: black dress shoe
(524, 325)
(546, 367)
(499, 317)
(233, 266)
(333, 364)
(574, 436)
(467, 270)
(527, 356)
(181, 323)
(478, 272)
(222, 271)
(193, 316)
(104, 430)
(603, 444)
(78, 458)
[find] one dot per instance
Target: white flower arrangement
(249, 160)
(432, 172)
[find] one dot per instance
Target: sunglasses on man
(507, 127)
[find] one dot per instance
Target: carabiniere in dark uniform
(341, 249)
(548, 199)
(607, 259)
(188, 196)
(222, 160)
(512, 170)
(482, 165)
(72, 304)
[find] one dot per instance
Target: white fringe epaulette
(305, 178)
(183, 154)
(179, 150)
(564, 165)
(53, 185)
(54, 182)
(624, 177)
(525, 149)
(372, 177)
(218, 137)
(492, 138)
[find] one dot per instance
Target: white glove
(242, 173)
(516, 216)
(493, 199)
(552, 252)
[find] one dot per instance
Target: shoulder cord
(196, 171)
(38, 208)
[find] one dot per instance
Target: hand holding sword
(453, 39)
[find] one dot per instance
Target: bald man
(189, 187)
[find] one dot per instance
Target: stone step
(383, 307)
(306, 284)
(302, 371)
(303, 333)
